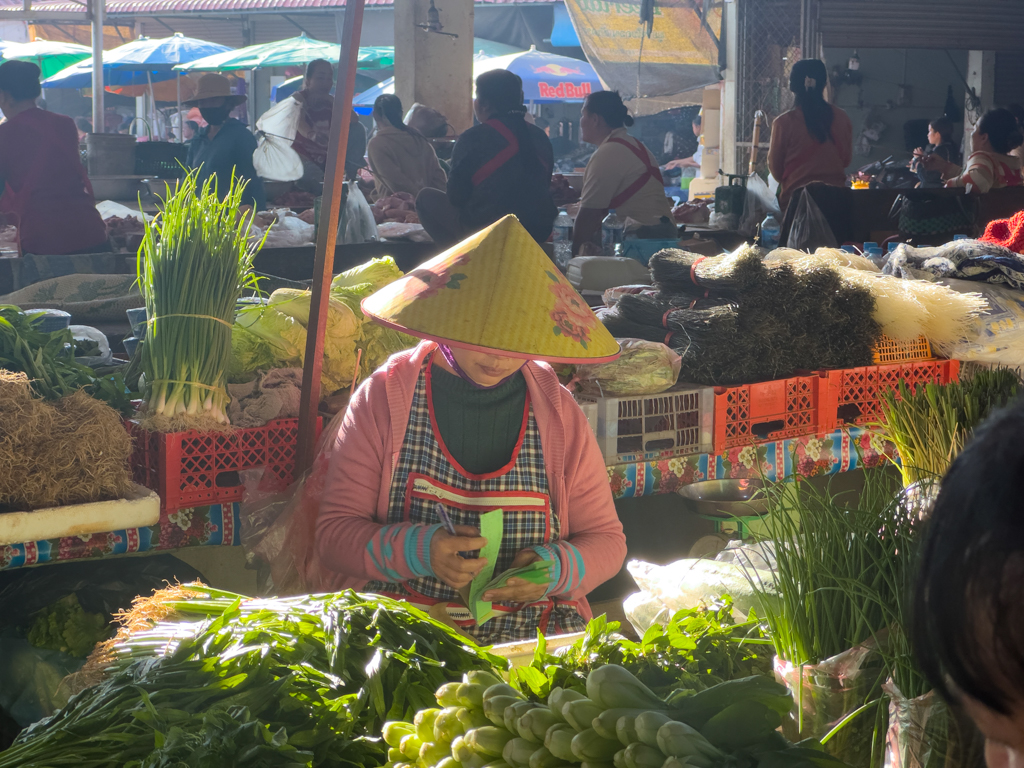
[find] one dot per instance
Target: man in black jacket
(499, 167)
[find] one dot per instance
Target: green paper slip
(492, 526)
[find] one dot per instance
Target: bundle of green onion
(194, 261)
(930, 425)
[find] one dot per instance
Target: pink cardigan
(355, 499)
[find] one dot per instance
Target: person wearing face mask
(42, 179)
(224, 146)
(501, 166)
(471, 421)
(401, 159)
(313, 132)
(990, 164)
(968, 611)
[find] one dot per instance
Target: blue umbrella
(546, 76)
(138, 62)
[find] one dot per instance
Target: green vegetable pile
(274, 335)
(617, 722)
(699, 647)
(47, 360)
(229, 681)
(66, 627)
(194, 262)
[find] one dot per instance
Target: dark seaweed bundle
(681, 272)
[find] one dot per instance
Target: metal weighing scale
(732, 505)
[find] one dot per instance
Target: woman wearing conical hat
(470, 422)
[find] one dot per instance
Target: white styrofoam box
(599, 273)
(678, 422)
(140, 509)
(589, 408)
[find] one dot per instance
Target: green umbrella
(51, 57)
(293, 52)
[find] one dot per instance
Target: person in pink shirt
(455, 423)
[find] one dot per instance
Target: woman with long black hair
(401, 159)
(814, 140)
(499, 167)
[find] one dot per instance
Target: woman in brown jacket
(814, 140)
(401, 159)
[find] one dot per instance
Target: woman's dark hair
(390, 106)
(502, 92)
(697, 120)
(311, 67)
(1003, 131)
(968, 617)
(608, 105)
(808, 80)
(942, 126)
(20, 79)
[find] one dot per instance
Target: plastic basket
(652, 427)
(765, 412)
(851, 396)
(197, 468)
(160, 159)
(888, 351)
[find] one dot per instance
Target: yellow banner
(684, 33)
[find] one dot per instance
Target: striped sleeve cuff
(402, 551)
(567, 568)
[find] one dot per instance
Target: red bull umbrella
(546, 76)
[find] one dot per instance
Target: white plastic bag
(688, 583)
(274, 158)
(997, 336)
(356, 224)
(643, 368)
(289, 231)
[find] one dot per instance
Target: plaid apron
(426, 473)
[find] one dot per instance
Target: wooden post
(327, 235)
(759, 120)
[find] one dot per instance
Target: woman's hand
(518, 590)
(448, 566)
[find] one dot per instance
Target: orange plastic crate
(198, 468)
(771, 410)
(851, 396)
(888, 351)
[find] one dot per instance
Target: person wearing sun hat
(472, 419)
(224, 145)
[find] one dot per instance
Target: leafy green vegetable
(699, 648)
(296, 681)
(376, 272)
(65, 626)
(47, 360)
(249, 353)
(283, 333)
(194, 262)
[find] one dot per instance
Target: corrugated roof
(159, 7)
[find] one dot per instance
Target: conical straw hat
(495, 291)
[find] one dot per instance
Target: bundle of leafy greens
(48, 361)
(699, 648)
(65, 626)
(225, 680)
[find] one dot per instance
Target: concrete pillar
(981, 77)
(731, 162)
(436, 69)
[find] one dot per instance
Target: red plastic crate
(771, 410)
(197, 468)
(851, 396)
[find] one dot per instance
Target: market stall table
(211, 526)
